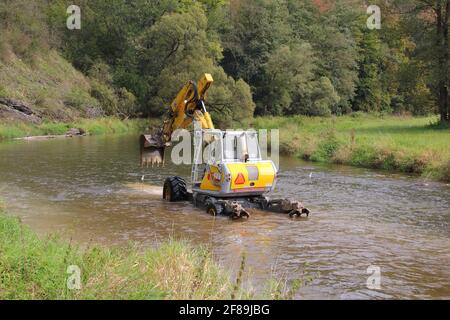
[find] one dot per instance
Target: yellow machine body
(264, 178)
(236, 179)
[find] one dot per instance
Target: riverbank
(107, 125)
(45, 267)
(33, 267)
(404, 144)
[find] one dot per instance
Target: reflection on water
(90, 189)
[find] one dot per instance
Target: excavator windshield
(241, 146)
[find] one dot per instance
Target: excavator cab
(231, 165)
(241, 146)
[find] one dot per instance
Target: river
(89, 189)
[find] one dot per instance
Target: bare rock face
(17, 105)
(11, 109)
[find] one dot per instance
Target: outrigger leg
(237, 208)
(291, 207)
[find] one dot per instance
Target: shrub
(105, 96)
(126, 104)
(327, 148)
(101, 72)
(79, 99)
(364, 156)
(342, 155)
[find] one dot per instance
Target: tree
(433, 49)
(288, 72)
(254, 30)
(329, 31)
(177, 49)
(372, 92)
(294, 57)
(442, 11)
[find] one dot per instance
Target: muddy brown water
(89, 189)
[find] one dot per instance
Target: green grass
(109, 125)
(32, 267)
(404, 144)
(35, 267)
(50, 84)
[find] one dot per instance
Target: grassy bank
(34, 267)
(403, 144)
(110, 125)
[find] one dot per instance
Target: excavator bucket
(152, 149)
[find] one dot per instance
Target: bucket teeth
(152, 149)
(298, 213)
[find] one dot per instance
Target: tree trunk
(442, 39)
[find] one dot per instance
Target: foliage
(268, 57)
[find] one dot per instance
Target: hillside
(46, 95)
(49, 85)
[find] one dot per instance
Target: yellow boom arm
(188, 106)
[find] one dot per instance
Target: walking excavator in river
(228, 174)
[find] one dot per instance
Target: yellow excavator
(228, 173)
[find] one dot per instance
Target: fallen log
(72, 132)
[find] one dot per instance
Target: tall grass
(405, 144)
(34, 267)
(37, 268)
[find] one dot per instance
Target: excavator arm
(188, 106)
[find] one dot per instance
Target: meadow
(415, 145)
